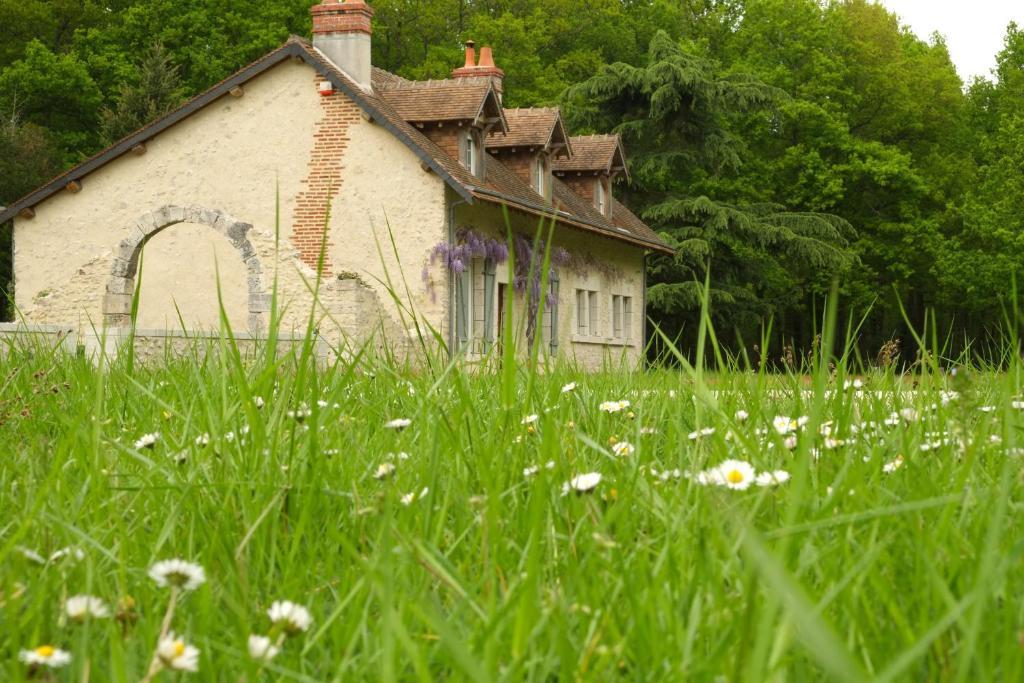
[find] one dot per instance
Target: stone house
(391, 199)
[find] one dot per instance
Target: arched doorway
(117, 302)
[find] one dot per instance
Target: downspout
(451, 278)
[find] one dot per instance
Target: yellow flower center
(734, 476)
(179, 648)
(45, 651)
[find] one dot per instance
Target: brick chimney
(484, 68)
(341, 30)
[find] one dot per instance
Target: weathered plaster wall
(623, 276)
(387, 193)
(237, 156)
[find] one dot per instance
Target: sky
(974, 29)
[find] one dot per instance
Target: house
(317, 171)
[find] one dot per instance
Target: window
(587, 321)
(600, 196)
(622, 317)
(551, 319)
(472, 152)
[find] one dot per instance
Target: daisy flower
(82, 607)
(258, 402)
(623, 448)
(531, 471)
(178, 573)
(582, 483)
(203, 440)
(398, 423)
(741, 416)
(293, 618)
(707, 431)
(772, 478)
(613, 406)
(147, 441)
(571, 386)
(1017, 405)
(787, 425)
(734, 474)
(384, 470)
(530, 419)
(46, 655)
(261, 648)
(893, 465)
(300, 414)
(175, 654)
(410, 498)
(853, 384)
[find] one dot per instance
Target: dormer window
(601, 201)
(472, 152)
(542, 176)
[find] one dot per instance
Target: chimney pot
(486, 58)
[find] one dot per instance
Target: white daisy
(987, 409)
(772, 478)
(46, 655)
(530, 419)
(733, 474)
(292, 617)
(706, 431)
(571, 386)
(258, 402)
(410, 498)
(175, 653)
(398, 423)
(787, 425)
(790, 442)
(623, 449)
(178, 573)
(613, 406)
(67, 551)
(82, 607)
(531, 471)
(203, 440)
(261, 648)
(893, 465)
(582, 483)
(147, 441)
(1017, 405)
(741, 416)
(384, 470)
(300, 414)
(853, 384)
(647, 431)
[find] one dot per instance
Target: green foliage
(749, 124)
(155, 90)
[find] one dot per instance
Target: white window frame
(600, 196)
(542, 176)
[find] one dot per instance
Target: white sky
(974, 29)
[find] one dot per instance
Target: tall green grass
(845, 572)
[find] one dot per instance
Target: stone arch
(117, 303)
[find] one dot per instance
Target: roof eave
(293, 48)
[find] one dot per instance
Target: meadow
(506, 525)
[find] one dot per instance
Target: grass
(844, 572)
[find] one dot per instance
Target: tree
(156, 91)
(676, 113)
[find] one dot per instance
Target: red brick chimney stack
(342, 30)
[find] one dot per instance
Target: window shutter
(554, 313)
(489, 270)
(462, 312)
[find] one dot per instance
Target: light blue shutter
(554, 313)
(489, 270)
(462, 311)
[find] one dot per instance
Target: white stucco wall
(232, 156)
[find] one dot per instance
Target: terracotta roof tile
(535, 127)
(592, 153)
(454, 99)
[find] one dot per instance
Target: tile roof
(453, 99)
(593, 153)
(500, 186)
(535, 127)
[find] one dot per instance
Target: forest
(785, 147)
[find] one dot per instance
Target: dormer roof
(594, 154)
(449, 100)
(537, 128)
